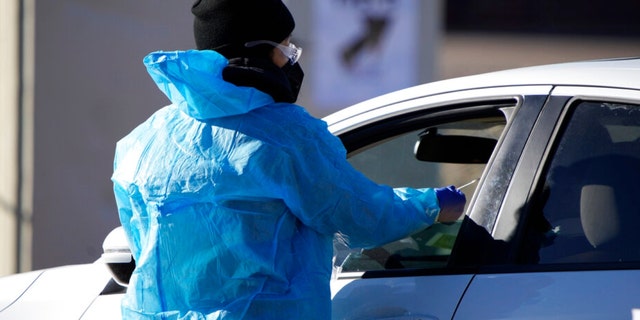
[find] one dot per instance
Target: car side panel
(104, 307)
(423, 297)
(60, 293)
(12, 287)
(552, 295)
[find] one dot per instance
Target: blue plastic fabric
(230, 201)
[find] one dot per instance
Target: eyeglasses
(291, 51)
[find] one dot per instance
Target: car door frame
(388, 294)
(567, 291)
(537, 154)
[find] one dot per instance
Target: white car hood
(57, 293)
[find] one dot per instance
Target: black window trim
(476, 247)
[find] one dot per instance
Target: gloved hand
(451, 202)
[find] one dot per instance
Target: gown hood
(192, 80)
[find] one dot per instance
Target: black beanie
(226, 25)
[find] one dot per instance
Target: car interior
(454, 152)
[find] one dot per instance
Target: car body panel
(60, 293)
(421, 297)
(12, 287)
(552, 295)
(104, 307)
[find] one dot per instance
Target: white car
(549, 158)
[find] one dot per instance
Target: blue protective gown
(230, 201)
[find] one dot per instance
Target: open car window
(433, 155)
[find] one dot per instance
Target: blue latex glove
(451, 202)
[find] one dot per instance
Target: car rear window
(590, 204)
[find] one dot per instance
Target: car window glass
(589, 209)
(393, 162)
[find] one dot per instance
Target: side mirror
(117, 256)
(434, 147)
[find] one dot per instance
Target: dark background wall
(552, 17)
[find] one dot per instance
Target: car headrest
(599, 214)
(610, 202)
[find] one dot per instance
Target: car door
(569, 225)
(416, 277)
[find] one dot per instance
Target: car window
(393, 161)
(589, 207)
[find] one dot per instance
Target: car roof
(612, 73)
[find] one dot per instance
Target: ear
(278, 58)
